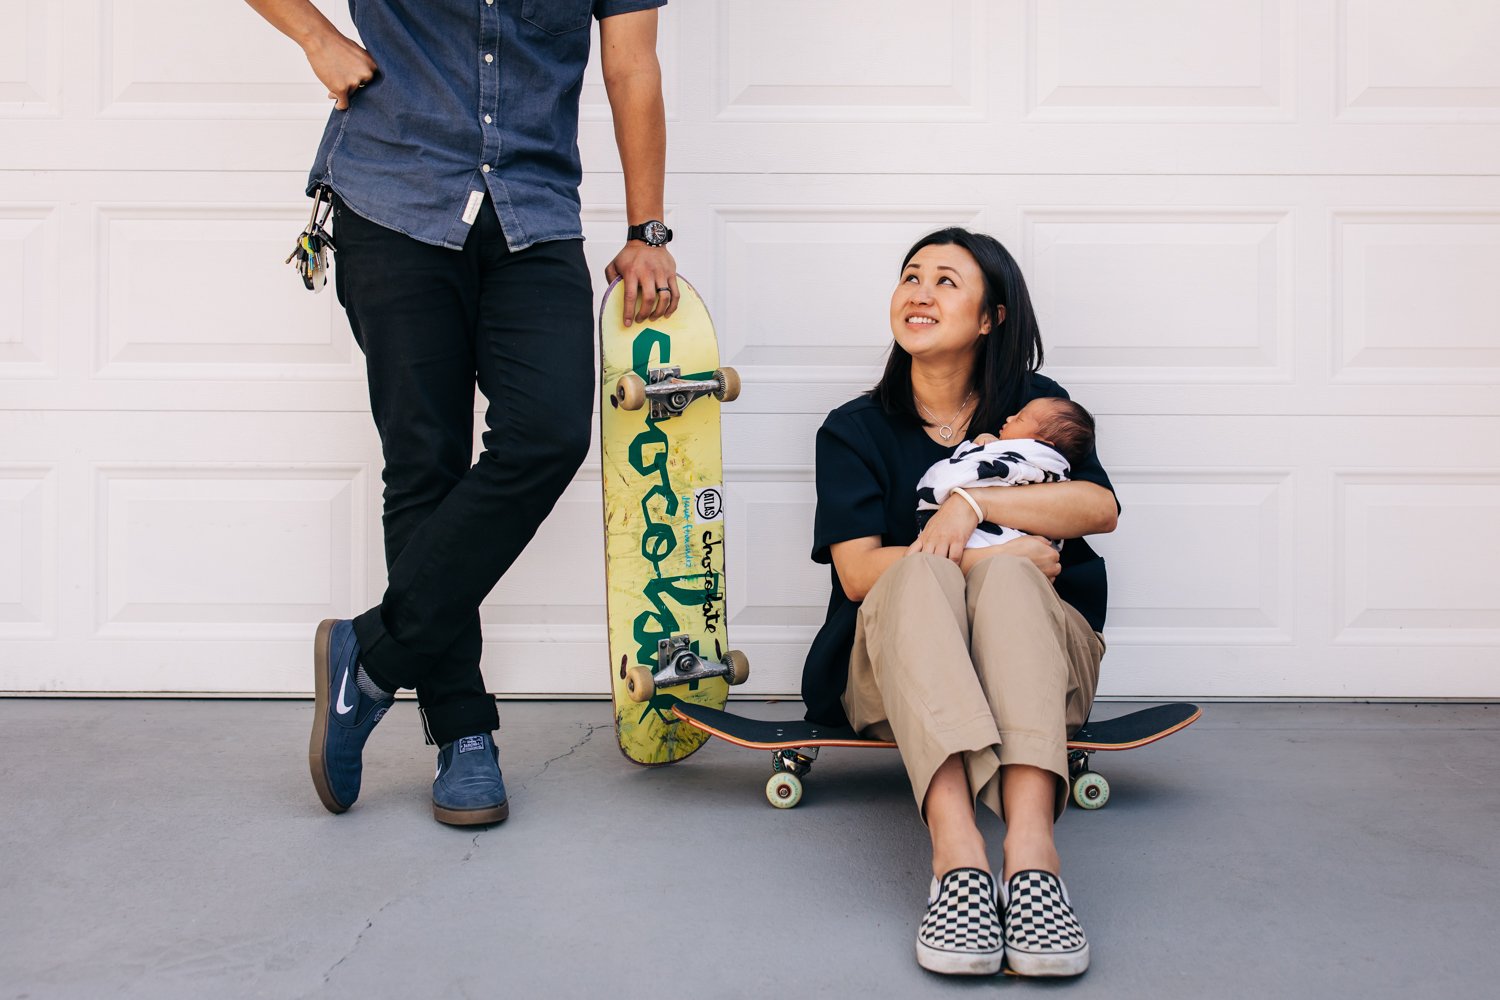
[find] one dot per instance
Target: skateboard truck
(1090, 789)
(669, 393)
(784, 789)
(677, 664)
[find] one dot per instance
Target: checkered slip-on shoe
(1042, 937)
(960, 935)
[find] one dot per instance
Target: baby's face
(1027, 423)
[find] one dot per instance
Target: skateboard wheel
(630, 392)
(1090, 790)
(739, 666)
(729, 385)
(784, 790)
(639, 683)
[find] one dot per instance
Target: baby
(1037, 445)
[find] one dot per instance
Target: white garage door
(1263, 237)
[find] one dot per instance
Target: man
(452, 157)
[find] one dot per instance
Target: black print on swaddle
(1016, 462)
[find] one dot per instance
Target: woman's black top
(868, 466)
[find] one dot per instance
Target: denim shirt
(472, 97)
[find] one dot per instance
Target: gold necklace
(945, 428)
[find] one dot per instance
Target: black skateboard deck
(794, 744)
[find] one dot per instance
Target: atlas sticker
(709, 503)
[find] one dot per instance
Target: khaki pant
(995, 667)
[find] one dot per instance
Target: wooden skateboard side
(1135, 729)
(794, 745)
(663, 522)
(1126, 732)
(754, 734)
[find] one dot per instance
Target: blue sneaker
(468, 789)
(343, 716)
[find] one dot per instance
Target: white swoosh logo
(343, 707)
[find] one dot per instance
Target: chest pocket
(557, 17)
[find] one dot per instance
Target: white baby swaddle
(1016, 462)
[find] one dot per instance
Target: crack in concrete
(358, 939)
(568, 753)
(474, 844)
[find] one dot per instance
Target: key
(310, 253)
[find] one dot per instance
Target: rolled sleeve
(609, 8)
(851, 496)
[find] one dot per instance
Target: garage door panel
(559, 580)
(1171, 295)
(1269, 672)
(1104, 61)
(1413, 292)
(29, 550)
(176, 283)
(881, 65)
(1390, 589)
(180, 59)
(1202, 555)
(30, 290)
(193, 549)
(775, 589)
(1439, 67)
(31, 60)
(775, 264)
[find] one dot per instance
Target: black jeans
(431, 323)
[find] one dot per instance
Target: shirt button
(488, 58)
(488, 119)
(484, 167)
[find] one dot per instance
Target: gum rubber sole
(471, 817)
(320, 719)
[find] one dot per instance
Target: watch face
(657, 233)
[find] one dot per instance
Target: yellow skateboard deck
(663, 473)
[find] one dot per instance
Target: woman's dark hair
(1011, 351)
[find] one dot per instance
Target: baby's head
(1061, 423)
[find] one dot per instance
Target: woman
(978, 662)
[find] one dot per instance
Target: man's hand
(1033, 547)
(948, 531)
(341, 64)
(649, 278)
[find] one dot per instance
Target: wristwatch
(653, 233)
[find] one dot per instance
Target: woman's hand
(948, 531)
(1034, 547)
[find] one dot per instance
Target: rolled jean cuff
(389, 664)
(461, 717)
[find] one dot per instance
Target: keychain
(310, 255)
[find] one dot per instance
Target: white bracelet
(978, 510)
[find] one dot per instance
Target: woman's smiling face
(937, 305)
